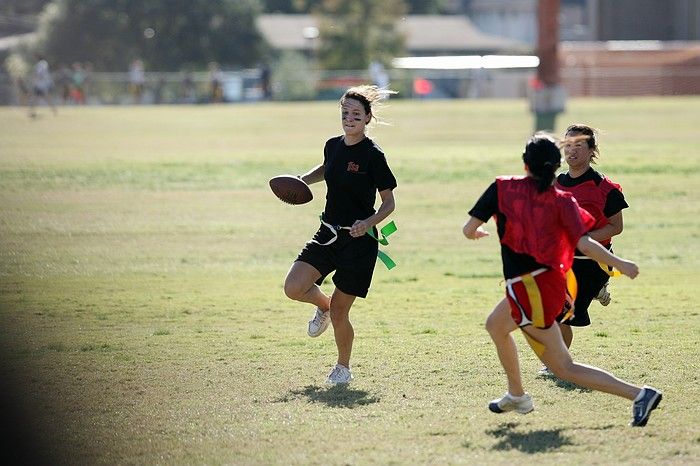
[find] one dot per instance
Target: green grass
(143, 321)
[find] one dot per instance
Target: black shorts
(353, 259)
(590, 278)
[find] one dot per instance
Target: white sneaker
(319, 322)
(520, 404)
(604, 295)
(339, 375)
(545, 372)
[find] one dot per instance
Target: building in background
(591, 20)
(609, 47)
(425, 35)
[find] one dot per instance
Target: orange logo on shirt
(353, 167)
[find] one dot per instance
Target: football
(291, 189)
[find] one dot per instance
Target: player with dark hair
(603, 199)
(354, 169)
(539, 227)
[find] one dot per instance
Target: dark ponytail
(545, 176)
(543, 158)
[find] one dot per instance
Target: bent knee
(293, 289)
(562, 370)
(492, 325)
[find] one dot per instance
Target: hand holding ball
(291, 189)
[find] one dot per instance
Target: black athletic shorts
(590, 278)
(353, 259)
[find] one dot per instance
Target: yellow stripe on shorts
(533, 295)
(536, 346)
(571, 284)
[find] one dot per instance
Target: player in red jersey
(539, 228)
(603, 199)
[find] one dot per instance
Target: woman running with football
(354, 169)
(539, 227)
(603, 199)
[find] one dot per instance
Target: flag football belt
(605, 267)
(536, 302)
(385, 231)
(519, 278)
(571, 288)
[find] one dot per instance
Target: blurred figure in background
(216, 80)
(378, 74)
(265, 82)
(42, 85)
(63, 81)
(137, 80)
(189, 90)
(78, 84)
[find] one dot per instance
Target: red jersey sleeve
(574, 219)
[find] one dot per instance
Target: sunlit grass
(142, 258)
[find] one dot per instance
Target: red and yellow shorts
(537, 298)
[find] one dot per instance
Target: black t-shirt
(514, 264)
(353, 176)
(614, 202)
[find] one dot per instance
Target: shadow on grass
(338, 396)
(536, 441)
(569, 386)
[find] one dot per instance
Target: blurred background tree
(19, 16)
(22, 7)
(189, 34)
(165, 34)
(353, 33)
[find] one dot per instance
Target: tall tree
(165, 34)
(22, 7)
(290, 6)
(426, 7)
(353, 33)
(19, 16)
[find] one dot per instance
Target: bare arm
(388, 205)
(613, 228)
(473, 229)
(594, 250)
(314, 175)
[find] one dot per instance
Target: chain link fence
(250, 85)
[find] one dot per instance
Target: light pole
(548, 97)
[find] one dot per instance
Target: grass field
(143, 320)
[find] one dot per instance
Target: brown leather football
(291, 189)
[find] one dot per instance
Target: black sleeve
(487, 205)
(614, 203)
(326, 149)
(381, 173)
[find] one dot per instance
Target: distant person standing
(216, 81)
(189, 90)
(378, 74)
(42, 84)
(265, 82)
(137, 80)
(78, 84)
(63, 81)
